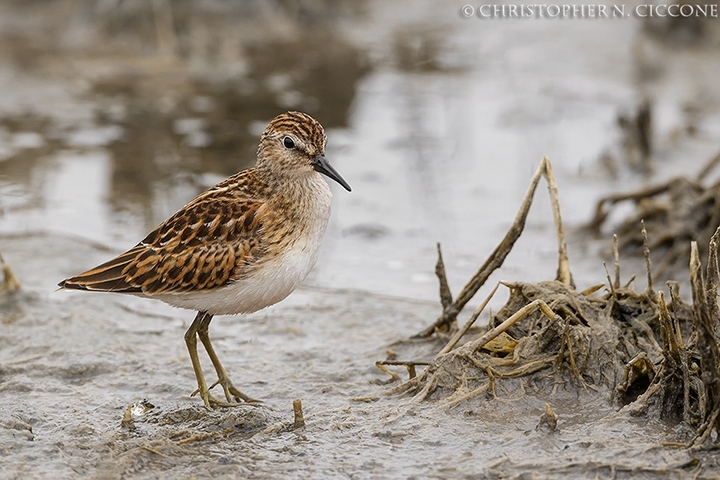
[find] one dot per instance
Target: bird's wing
(212, 241)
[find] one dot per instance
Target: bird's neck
(296, 191)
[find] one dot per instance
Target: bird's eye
(288, 142)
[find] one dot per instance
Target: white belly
(274, 281)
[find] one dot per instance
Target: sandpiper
(238, 247)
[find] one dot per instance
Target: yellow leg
(191, 342)
(232, 394)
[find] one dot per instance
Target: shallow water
(437, 122)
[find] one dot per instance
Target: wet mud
(115, 114)
(71, 367)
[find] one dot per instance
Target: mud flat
(556, 385)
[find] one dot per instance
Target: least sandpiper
(240, 246)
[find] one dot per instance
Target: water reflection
(171, 119)
(438, 122)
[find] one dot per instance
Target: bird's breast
(291, 241)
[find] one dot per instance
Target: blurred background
(115, 113)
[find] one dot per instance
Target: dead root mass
(648, 353)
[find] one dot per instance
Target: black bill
(323, 166)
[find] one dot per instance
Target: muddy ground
(72, 364)
(115, 114)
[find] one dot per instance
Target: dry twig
(497, 257)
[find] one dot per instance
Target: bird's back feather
(215, 239)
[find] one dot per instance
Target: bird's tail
(107, 277)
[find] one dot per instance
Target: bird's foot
(233, 395)
(211, 402)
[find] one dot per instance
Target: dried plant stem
(299, 418)
(445, 294)
(205, 435)
(707, 169)
(497, 257)
(563, 273)
(602, 209)
(458, 335)
(676, 376)
(410, 365)
(531, 307)
(451, 402)
(607, 276)
(10, 282)
(571, 355)
(674, 288)
(712, 277)
(707, 344)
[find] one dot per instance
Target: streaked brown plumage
(240, 246)
(185, 253)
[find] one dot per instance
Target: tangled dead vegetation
(675, 213)
(647, 355)
(635, 150)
